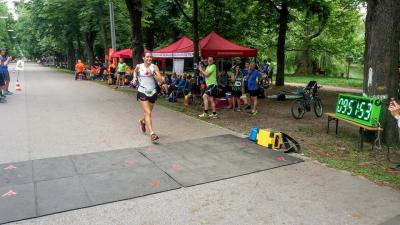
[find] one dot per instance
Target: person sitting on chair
(79, 69)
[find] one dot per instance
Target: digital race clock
(362, 110)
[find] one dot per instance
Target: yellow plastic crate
(269, 139)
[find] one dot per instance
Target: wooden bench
(363, 128)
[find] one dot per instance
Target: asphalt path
(55, 116)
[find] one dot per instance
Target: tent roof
(125, 53)
(215, 45)
(182, 48)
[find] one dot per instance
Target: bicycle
(309, 98)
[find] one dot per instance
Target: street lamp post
(112, 22)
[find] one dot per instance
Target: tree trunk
(71, 55)
(381, 59)
(89, 43)
(304, 63)
(280, 52)
(195, 25)
(104, 39)
(135, 14)
(79, 46)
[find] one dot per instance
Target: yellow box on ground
(270, 139)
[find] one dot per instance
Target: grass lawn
(325, 80)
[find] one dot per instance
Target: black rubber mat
(42, 187)
(210, 159)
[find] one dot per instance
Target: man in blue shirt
(253, 78)
(264, 67)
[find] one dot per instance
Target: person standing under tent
(245, 72)
(146, 76)
(237, 80)
(210, 74)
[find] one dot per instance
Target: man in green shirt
(121, 69)
(210, 73)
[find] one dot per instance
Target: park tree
(135, 15)
(381, 76)
(194, 21)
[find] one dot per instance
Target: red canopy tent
(183, 48)
(125, 53)
(215, 45)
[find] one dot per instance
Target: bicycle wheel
(298, 109)
(318, 107)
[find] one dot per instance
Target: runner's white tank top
(147, 83)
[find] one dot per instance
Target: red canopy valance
(183, 48)
(125, 53)
(215, 45)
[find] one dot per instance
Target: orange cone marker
(18, 86)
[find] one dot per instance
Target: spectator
(223, 82)
(2, 83)
(95, 72)
(4, 66)
(79, 69)
(210, 74)
(121, 69)
(182, 82)
(245, 72)
(253, 78)
(394, 109)
(237, 80)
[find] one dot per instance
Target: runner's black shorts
(236, 93)
(211, 90)
(142, 97)
(254, 93)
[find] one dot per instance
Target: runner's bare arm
(157, 75)
(135, 71)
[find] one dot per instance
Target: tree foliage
(320, 33)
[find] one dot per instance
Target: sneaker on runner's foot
(154, 137)
(204, 115)
(213, 116)
(142, 126)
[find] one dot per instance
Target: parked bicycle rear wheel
(298, 109)
(318, 107)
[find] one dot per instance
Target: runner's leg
(147, 109)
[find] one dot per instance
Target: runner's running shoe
(154, 137)
(203, 115)
(142, 126)
(213, 116)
